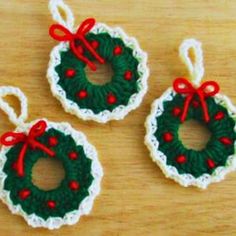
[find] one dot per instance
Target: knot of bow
(67, 36)
(12, 138)
(207, 89)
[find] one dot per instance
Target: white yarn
(8, 90)
(87, 114)
(55, 6)
(196, 68)
(196, 71)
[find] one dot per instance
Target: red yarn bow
(183, 86)
(11, 138)
(83, 29)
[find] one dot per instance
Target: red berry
(210, 163)
(74, 185)
(226, 140)
(176, 111)
(24, 193)
(51, 204)
(73, 155)
(95, 44)
(82, 94)
(53, 141)
(181, 159)
(70, 73)
(117, 50)
(14, 166)
(128, 75)
(111, 99)
(195, 103)
(168, 137)
(80, 49)
(219, 116)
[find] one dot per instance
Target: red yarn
(111, 99)
(73, 155)
(219, 116)
(226, 140)
(195, 103)
(95, 44)
(80, 34)
(176, 111)
(181, 159)
(51, 204)
(210, 163)
(70, 73)
(183, 86)
(128, 75)
(14, 166)
(80, 49)
(24, 193)
(168, 137)
(117, 50)
(53, 141)
(29, 140)
(82, 94)
(74, 185)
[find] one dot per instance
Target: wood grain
(136, 198)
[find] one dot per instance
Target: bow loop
(210, 88)
(65, 34)
(11, 138)
(85, 26)
(38, 129)
(183, 86)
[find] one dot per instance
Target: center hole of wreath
(194, 135)
(102, 75)
(47, 173)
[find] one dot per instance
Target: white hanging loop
(8, 90)
(196, 68)
(56, 7)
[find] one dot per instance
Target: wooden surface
(136, 198)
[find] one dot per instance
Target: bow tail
(186, 107)
(93, 52)
(21, 157)
(82, 58)
(44, 148)
(20, 160)
(204, 107)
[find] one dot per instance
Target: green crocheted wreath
(68, 196)
(74, 81)
(217, 150)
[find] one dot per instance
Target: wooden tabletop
(136, 198)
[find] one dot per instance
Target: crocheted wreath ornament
(202, 103)
(98, 98)
(217, 150)
(95, 42)
(43, 139)
(72, 190)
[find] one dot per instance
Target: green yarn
(97, 94)
(196, 163)
(66, 199)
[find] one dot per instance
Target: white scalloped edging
(159, 157)
(87, 114)
(85, 207)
